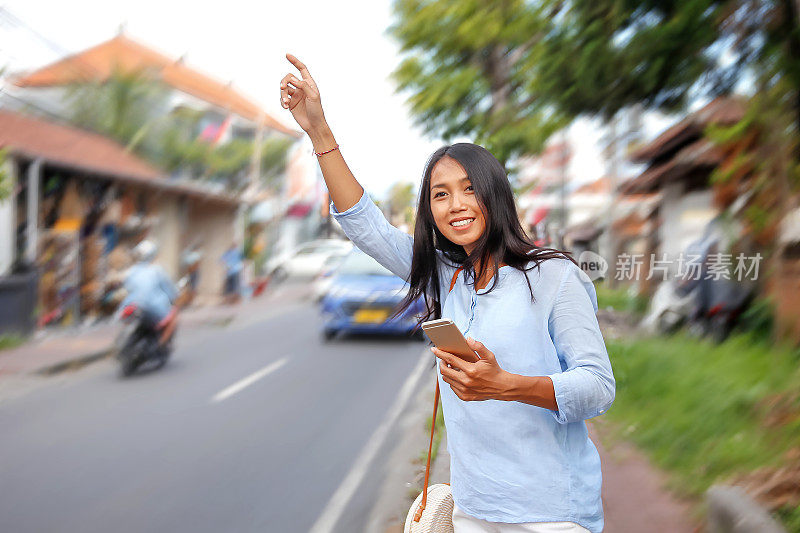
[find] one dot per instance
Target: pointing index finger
(300, 66)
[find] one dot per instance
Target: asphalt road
(251, 427)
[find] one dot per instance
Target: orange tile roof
(699, 154)
(66, 146)
(70, 147)
(598, 186)
(721, 110)
(122, 52)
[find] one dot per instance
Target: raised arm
(301, 97)
(360, 218)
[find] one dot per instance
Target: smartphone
(448, 338)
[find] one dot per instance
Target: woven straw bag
(432, 511)
(437, 517)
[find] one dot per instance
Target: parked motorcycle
(670, 308)
(138, 343)
(720, 303)
(707, 305)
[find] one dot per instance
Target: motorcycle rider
(150, 289)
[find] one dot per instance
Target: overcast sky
(343, 43)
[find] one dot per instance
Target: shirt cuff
(563, 397)
(359, 206)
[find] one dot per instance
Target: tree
(5, 176)
(759, 168)
(132, 108)
(273, 159)
(600, 56)
(510, 73)
(400, 201)
(467, 70)
(124, 107)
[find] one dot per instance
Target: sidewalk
(50, 352)
(634, 493)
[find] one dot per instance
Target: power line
(74, 61)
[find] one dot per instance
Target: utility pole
(252, 189)
(612, 155)
(255, 160)
(564, 157)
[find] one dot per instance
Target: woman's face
(454, 206)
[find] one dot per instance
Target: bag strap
(455, 277)
(418, 514)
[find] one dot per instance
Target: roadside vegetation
(714, 413)
(10, 341)
(620, 299)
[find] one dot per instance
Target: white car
(307, 259)
(322, 283)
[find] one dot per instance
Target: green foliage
(790, 517)
(758, 216)
(620, 299)
(437, 436)
(400, 201)
(9, 341)
(761, 160)
(600, 56)
(701, 409)
(182, 149)
(274, 151)
(467, 72)
(721, 176)
(722, 134)
(5, 176)
(132, 108)
(121, 107)
(759, 319)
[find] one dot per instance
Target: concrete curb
(405, 463)
(75, 363)
(732, 510)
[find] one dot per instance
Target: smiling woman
(521, 457)
(454, 206)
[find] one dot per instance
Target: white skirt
(464, 523)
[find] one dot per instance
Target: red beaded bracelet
(326, 151)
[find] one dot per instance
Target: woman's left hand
(482, 380)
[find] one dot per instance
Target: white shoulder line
(336, 506)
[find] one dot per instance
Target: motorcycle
(719, 307)
(670, 308)
(709, 306)
(138, 343)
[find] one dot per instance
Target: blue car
(362, 297)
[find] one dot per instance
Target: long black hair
(502, 240)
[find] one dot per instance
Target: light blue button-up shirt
(510, 461)
(150, 289)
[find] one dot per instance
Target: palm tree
(124, 107)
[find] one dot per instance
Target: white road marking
(246, 382)
(330, 515)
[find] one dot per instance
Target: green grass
(422, 458)
(437, 436)
(708, 412)
(620, 299)
(10, 341)
(790, 517)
